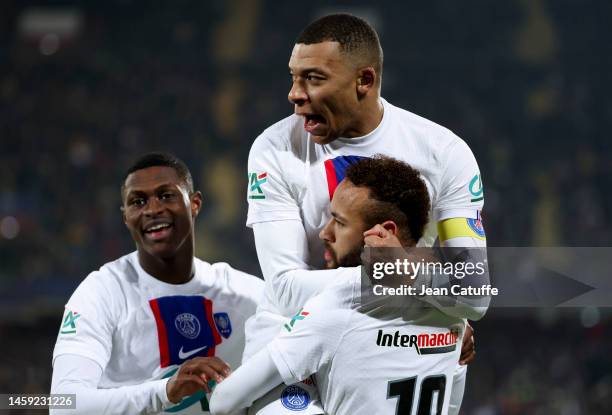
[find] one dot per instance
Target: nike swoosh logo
(186, 355)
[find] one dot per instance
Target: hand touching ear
(382, 236)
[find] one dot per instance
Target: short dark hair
(399, 194)
(355, 36)
(161, 159)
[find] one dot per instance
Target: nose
(297, 94)
(154, 206)
(326, 233)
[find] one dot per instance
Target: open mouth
(313, 123)
(158, 231)
(330, 258)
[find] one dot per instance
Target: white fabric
(473, 309)
(457, 390)
(74, 374)
(296, 187)
(272, 403)
(267, 322)
(290, 206)
(116, 327)
(337, 340)
(240, 389)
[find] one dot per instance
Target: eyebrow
(159, 188)
(337, 216)
(308, 70)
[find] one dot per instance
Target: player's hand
(379, 237)
(468, 346)
(193, 376)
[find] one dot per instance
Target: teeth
(157, 227)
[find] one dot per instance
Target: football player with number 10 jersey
(296, 164)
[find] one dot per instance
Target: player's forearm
(282, 249)
(293, 288)
(249, 382)
(136, 399)
(78, 375)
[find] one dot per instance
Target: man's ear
(122, 209)
(366, 80)
(391, 226)
(196, 203)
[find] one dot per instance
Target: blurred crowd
(543, 365)
(524, 82)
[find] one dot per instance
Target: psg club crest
(188, 325)
(295, 398)
(186, 328)
(224, 325)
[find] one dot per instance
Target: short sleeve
(309, 340)
(269, 195)
(461, 193)
(87, 325)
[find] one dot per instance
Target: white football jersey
(383, 360)
(139, 329)
(293, 178)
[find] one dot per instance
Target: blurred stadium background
(85, 87)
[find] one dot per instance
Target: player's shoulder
(331, 310)
(429, 134)
(105, 288)
(286, 135)
(342, 294)
(227, 281)
(111, 275)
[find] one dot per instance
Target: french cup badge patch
(224, 325)
(69, 322)
(256, 181)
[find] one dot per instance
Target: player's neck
(368, 118)
(178, 269)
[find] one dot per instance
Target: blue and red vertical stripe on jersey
(335, 169)
(185, 328)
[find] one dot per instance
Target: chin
(322, 139)
(161, 252)
(353, 259)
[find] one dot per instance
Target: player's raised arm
(288, 277)
(280, 238)
(457, 213)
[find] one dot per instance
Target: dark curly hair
(397, 193)
(355, 36)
